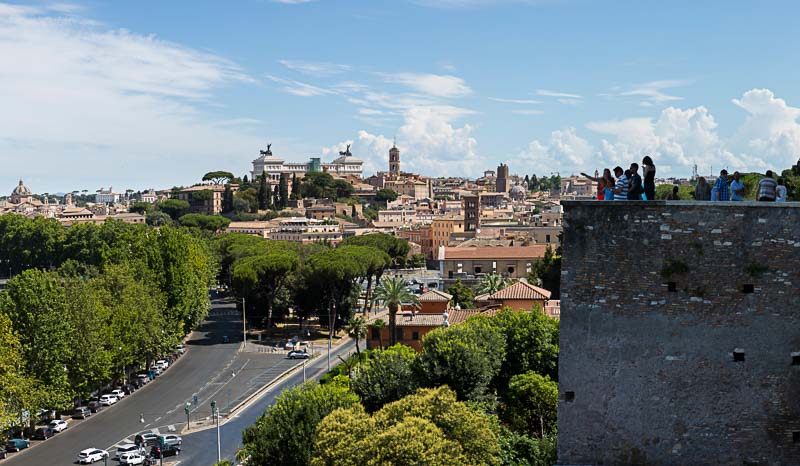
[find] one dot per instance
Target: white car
(128, 448)
(162, 363)
(143, 378)
(90, 455)
(118, 393)
(181, 349)
(108, 400)
(58, 425)
(132, 458)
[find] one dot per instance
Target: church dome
(21, 190)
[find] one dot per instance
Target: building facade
(472, 213)
(471, 262)
(308, 230)
(203, 199)
(501, 183)
(688, 350)
(274, 166)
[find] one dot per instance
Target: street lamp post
(219, 448)
(304, 370)
(244, 323)
(330, 338)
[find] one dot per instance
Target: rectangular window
(415, 336)
(399, 334)
(569, 397)
(672, 286)
(376, 333)
(748, 288)
(738, 355)
(796, 437)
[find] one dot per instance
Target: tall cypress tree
(276, 198)
(263, 193)
(283, 191)
(295, 187)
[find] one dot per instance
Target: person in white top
(780, 191)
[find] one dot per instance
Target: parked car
(168, 450)
(180, 349)
(128, 389)
(108, 400)
(144, 378)
(162, 363)
(298, 355)
(43, 433)
(91, 455)
(118, 392)
(171, 439)
(58, 425)
(134, 457)
(128, 448)
(146, 438)
(3, 453)
(17, 444)
(81, 412)
(94, 406)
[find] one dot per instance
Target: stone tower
(394, 161)
(501, 182)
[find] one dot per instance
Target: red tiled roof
(511, 252)
(435, 296)
(521, 291)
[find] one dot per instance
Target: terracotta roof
(460, 315)
(435, 296)
(489, 253)
(482, 298)
(404, 319)
(522, 291)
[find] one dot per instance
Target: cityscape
(360, 281)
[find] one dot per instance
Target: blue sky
(154, 94)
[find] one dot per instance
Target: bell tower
(394, 161)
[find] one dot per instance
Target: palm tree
(493, 283)
(379, 324)
(357, 329)
(392, 292)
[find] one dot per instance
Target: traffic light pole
(219, 449)
(188, 424)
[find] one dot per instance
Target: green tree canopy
(384, 377)
(428, 427)
(175, 208)
(286, 432)
(466, 357)
(493, 283)
(265, 274)
(218, 177)
(141, 208)
(386, 195)
(212, 223)
(532, 404)
(463, 295)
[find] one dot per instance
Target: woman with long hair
(649, 176)
(604, 185)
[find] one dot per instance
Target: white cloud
(653, 93)
(527, 112)
(564, 151)
(300, 89)
(317, 69)
(771, 131)
(515, 101)
(549, 93)
(436, 85)
(96, 105)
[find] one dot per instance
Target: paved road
(201, 448)
(161, 401)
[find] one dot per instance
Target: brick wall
(659, 300)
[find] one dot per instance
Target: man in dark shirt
(635, 191)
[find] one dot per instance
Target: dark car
(146, 438)
(94, 406)
(17, 444)
(165, 451)
(81, 412)
(128, 389)
(43, 433)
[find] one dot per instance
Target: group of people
(769, 189)
(628, 185)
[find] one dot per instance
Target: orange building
(411, 327)
(520, 296)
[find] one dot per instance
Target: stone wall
(680, 333)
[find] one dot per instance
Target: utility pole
(244, 323)
(330, 337)
(304, 370)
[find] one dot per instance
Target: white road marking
(157, 419)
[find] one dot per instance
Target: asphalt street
(200, 448)
(160, 402)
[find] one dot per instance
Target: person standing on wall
(702, 192)
(606, 183)
(737, 188)
(720, 191)
(767, 188)
(621, 189)
(635, 184)
(780, 191)
(649, 173)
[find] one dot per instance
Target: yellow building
(441, 229)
